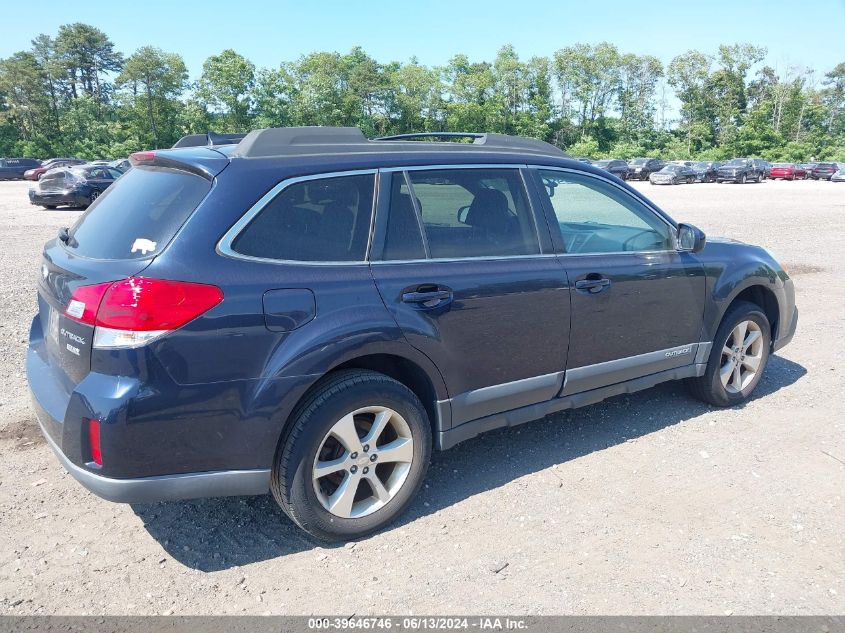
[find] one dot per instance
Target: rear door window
(464, 213)
(139, 215)
(315, 220)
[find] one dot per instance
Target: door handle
(592, 286)
(427, 298)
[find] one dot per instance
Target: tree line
(74, 94)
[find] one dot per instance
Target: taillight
(84, 303)
(94, 442)
(134, 311)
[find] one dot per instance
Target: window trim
(224, 245)
(660, 215)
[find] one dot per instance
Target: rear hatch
(117, 237)
(54, 181)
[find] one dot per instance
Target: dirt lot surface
(650, 503)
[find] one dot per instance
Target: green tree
(689, 75)
(86, 55)
(153, 80)
(588, 77)
(226, 87)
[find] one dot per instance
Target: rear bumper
(203, 441)
(165, 488)
(59, 199)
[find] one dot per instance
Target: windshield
(639, 161)
(782, 165)
(601, 163)
(138, 215)
(671, 168)
(736, 162)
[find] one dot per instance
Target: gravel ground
(649, 504)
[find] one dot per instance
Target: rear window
(138, 215)
(325, 219)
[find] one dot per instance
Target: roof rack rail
(292, 140)
(208, 140)
(478, 137)
(502, 141)
(276, 140)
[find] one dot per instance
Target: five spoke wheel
(363, 461)
(741, 356)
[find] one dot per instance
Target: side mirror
(690, 238)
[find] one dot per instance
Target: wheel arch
(762, 296)
(407, 372)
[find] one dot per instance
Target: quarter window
(463, 212)
(595, 217)
(325, 219)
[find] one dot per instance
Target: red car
(788, 171)
(37, 172)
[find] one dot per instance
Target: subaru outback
(310, 313)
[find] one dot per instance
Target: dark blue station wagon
(308, 312)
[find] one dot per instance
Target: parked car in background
(740, 170)
(54, 163)
(283, 316)
(673, 174)
(642, 168)
(15, 168)
(808, 167)
(706, 170)
(787, 171)
(121, 165)
(839, 176)
(824, 171)
(72, 187)
(762, 166)
(582, 159)
(618, 168)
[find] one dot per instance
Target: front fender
(731, 268)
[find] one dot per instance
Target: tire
(710, 387)
(742, 179)
(306, 498)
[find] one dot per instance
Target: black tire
(708, 388)
(742, 179)
(49, 206)
(332, 398)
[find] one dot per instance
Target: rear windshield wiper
(66, 238)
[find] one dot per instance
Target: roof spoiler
(208, 140)
(278, 141)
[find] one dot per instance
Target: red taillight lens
(140, 304)
(85, 301)
(94, 442)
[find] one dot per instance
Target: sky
(808, 34)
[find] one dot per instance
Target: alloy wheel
(742, 356)
(363, 462)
